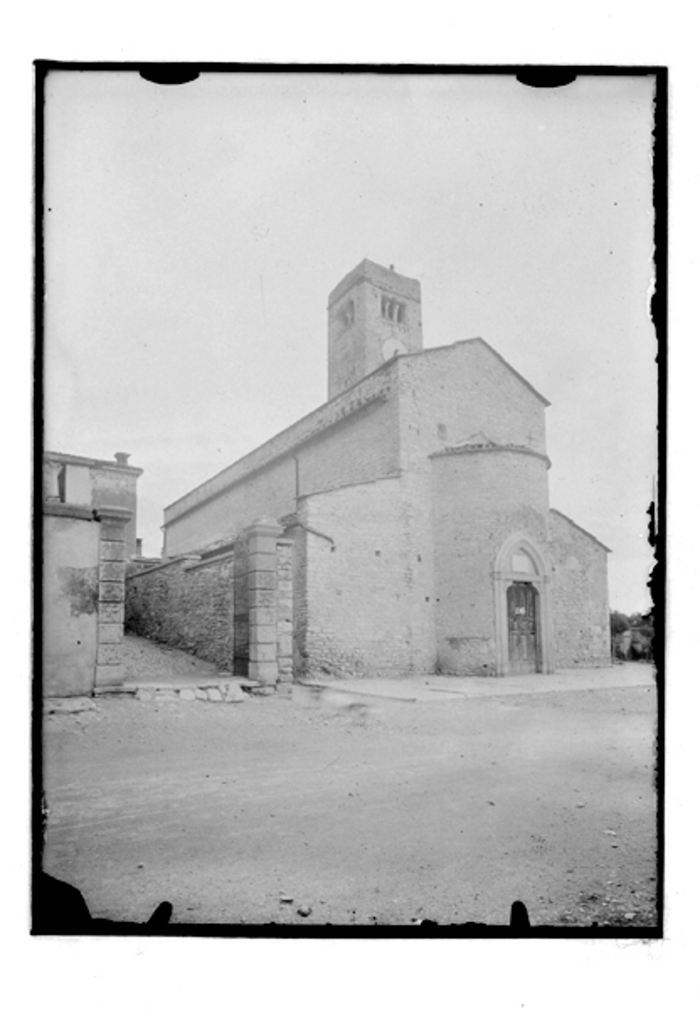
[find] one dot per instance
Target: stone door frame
(503, 577)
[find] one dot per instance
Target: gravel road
(327, 809)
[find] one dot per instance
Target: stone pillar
(110, 614)
(285, 577)
(261, 539)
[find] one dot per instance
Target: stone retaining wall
(186, 603)
(233, 608)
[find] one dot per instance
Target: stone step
(227, 690)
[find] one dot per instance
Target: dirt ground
(356, 811)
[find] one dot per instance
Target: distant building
(416, 503)
(74, 479)
(89, 529)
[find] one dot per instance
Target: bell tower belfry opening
(374, 314)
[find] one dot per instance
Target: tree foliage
(619, 622)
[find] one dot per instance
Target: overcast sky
(195, 232)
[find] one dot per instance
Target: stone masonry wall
(187, 604)
(480, 499)
(285, 611)
(114, 521)
(241, 625)
(234, 609)
(579, 596)
(448, 395)
(353, 619)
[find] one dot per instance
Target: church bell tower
(374, 314)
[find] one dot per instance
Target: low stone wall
(186, 603)
(233, 609)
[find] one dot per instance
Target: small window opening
(347, 314)
(392, 310)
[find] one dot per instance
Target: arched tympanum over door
(523, 625)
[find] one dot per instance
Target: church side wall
(480, 499)
(354, 621)
(361, 448)
(579, 597)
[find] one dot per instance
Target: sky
(193, 234)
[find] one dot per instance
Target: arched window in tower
(392, 310)
(347, 314)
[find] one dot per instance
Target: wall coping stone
(69, 511)
(81, 460)
(199, 562)
(165, 564)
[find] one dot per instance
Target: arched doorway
(521, 589)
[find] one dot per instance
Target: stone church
(415, 504)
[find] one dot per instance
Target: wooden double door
(524, 654)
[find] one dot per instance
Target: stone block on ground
(214, 695)
(166, 695)
(188, 694)
(201, 695)
(234, 694)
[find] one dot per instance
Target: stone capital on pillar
(265, 529)
(113, 513)
(113, 520)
